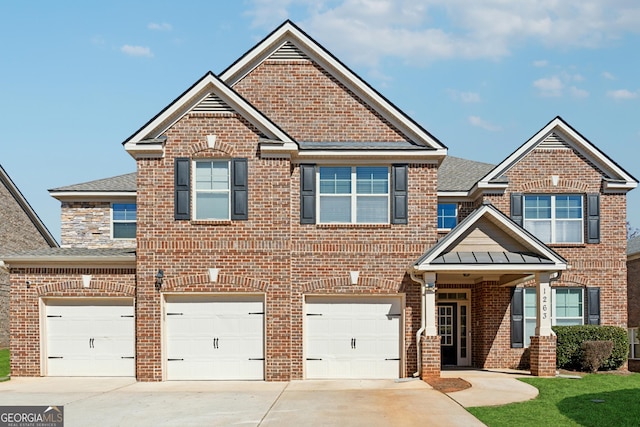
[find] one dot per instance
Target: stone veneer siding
(88, 225)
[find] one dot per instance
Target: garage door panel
(90, 337)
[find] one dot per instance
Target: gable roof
(147, 140)
(456, 174)
(290, 37)
(533, 255)
(558, 133)
(26, 207)
(114, 187)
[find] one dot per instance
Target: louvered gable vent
(289, 52)
(554, 142)
(212, 104)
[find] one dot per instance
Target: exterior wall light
(159, 279)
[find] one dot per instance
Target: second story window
(554, 218)
(124, 220)
(353, 195)
(212, 191)
(447, 216)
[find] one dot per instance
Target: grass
(4, 363)
(594, 400)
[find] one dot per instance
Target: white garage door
(214, 338)
(90, 337)
(356, 337)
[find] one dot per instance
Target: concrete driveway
(125, 402)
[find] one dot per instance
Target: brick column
(543, 356)
(430, 356)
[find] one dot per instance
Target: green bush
(569, 353)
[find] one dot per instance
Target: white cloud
(578, 93)
(607, 75)
(159, 27)
(464, 97)
(136, 51)
(622, 94)
(540, 63)
(430, 30)
(551, 86)
(478, 122)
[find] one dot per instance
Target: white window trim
(553, 218)
(553, 309)
(438, 215)
(634, 335)
(113, 221)
(354, 195)
(195, 191)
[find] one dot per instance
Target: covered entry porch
(468, 280)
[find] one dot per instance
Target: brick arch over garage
(97, 288)
(343, 285)
(225, 283)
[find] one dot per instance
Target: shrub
(569, 352)
(594, 353)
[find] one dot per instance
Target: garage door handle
(175, 360)
(216, 343)
(91, 343)
(353, 343)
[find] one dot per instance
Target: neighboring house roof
(456, 174)
(633, 248)
(26, 207)
(558, 134)
(109, 256)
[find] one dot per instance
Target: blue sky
(77, 78)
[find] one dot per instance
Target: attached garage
(352, 337)
(214, 337)
(89, 337)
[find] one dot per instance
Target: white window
(212, 191)
(353, 195)
(567, 309)
(447, 215)
(123, 220)
(554, 218)
(634, 343)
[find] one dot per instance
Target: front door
(447, 329)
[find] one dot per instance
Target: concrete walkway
(125, 402)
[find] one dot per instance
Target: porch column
(430, 342)
(543, 344)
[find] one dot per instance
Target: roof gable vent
(289, 52)
(212, 104)
(554, 142)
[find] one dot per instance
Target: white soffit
(290, 33)
(573, 139)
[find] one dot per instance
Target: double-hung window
(212, 190)
(554, 218)
(634, 343)
(567, 309)
(353, 195)
(123, 220)
(447, 215)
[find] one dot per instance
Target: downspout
(421, 281)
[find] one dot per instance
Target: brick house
(633, 297)
(290, 222)
(20, 229)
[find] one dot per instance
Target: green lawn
(4, 363)
(594, 400)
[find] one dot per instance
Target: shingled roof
(120, 183)
(456, 174)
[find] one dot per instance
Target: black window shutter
(593, 306)
(517, 318)
(516, 208)
(399, 194)
(307, 194)
(239, 189)
(593, 218)
(181, 188)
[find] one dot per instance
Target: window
(634, 343)
(354, 195)
(212, 190)
(554, 218)
(566, 309)
(124, 220)
(447, 215)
